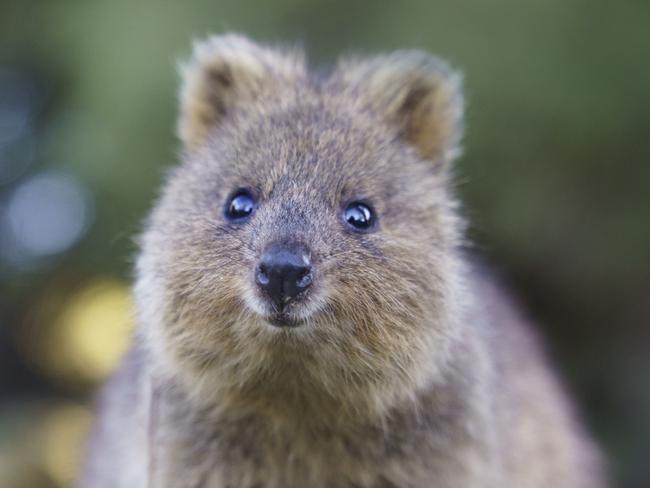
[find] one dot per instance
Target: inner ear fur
(417, 94)
(224, 73)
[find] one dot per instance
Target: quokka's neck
(309, 413)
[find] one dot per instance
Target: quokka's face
(307, 216)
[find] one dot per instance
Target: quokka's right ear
(417, 94)
(224, 73)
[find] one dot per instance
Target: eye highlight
(359, 216)
(240, 206)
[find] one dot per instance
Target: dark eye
(359, 215)
(240, 206)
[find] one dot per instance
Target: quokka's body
(306, 316)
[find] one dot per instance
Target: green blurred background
(555, 179)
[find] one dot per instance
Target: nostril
(262, 275)
(304, 278)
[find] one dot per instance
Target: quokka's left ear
(225, 73)
(417, 94)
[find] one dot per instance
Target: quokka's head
(307, 239)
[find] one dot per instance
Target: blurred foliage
(554, 178)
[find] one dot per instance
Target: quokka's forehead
(312, 141)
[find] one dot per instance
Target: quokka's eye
(240, 206)
(359, 216)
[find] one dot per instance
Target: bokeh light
(79, 341)
(46, 215)
(65, 430)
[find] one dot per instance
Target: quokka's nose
(284, 272)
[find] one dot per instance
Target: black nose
(284, 272)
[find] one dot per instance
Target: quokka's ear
(417, 94)
(224, 73)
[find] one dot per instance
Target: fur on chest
(257, 452)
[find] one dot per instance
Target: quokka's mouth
(283, 320)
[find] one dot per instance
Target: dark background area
(555, 178)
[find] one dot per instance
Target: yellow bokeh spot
(65, 431)
(90, 333)
(97, 327)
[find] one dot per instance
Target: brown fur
(410, 370)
